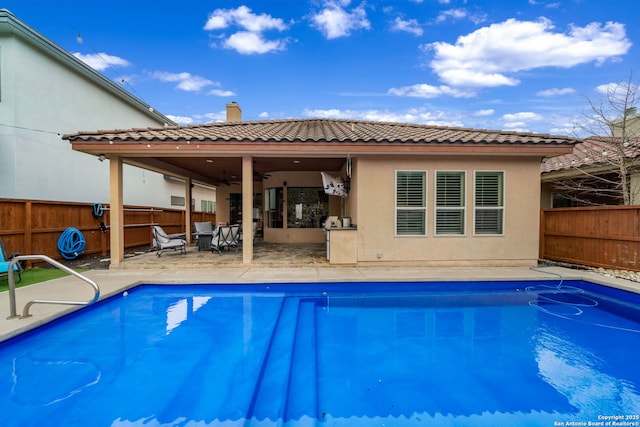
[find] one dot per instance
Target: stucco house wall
(374, 191)
(45, 92)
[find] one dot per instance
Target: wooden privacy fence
(603, 236)
(32, 227)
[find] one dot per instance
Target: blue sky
(525, 65)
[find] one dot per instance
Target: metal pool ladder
(12, 286)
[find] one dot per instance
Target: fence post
(28, 227)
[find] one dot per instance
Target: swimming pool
(394, 354)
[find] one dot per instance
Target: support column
(116, 211)
(247, 209)
(188, 195)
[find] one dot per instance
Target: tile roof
(594, 151)
(319, 130)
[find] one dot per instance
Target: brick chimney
(234, 112)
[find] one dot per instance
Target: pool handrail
(25, 312)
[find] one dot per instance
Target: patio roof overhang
(214, 151)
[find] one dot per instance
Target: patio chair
(5, 260)
(204, 234)
(228, 236)
(164, 241)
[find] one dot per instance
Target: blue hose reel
(71, 243)
(98, 210)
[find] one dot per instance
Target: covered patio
(238, 159)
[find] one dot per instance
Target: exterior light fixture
(101, 157)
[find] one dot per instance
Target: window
(207, 206)
(489, 203)
(450, 203)
(273, 198)
(411, 203)
(177, 201)
(307, 207)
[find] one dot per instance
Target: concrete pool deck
(115, 281)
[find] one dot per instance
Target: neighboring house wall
(579, 169)
(44, 93)
(377, 240)
(632, 127)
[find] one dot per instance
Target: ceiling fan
(259, 175)
(224, 179)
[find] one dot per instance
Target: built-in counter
(342, 245)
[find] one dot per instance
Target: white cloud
(458, 14)
(244, 18)
(186, 81)
(181, 120)
(334, 21)
(488, 55)
(249, 39)
(555, 92)
(451, 14)
(484, 113)
(525, 115)
(520, 122)
(216, 21)
(101, 61)
(410, 26)
(429, 91)
(608, 88)
(475, 78)
(263, 115)
(248, 43)
(220, 116)
(220, 92)
(421, 116)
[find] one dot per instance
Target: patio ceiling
(223, 170)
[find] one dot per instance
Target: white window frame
(461, 208)
(500, 208)
(414, 208)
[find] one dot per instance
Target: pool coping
(112, 282)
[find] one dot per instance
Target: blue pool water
(378, 354)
